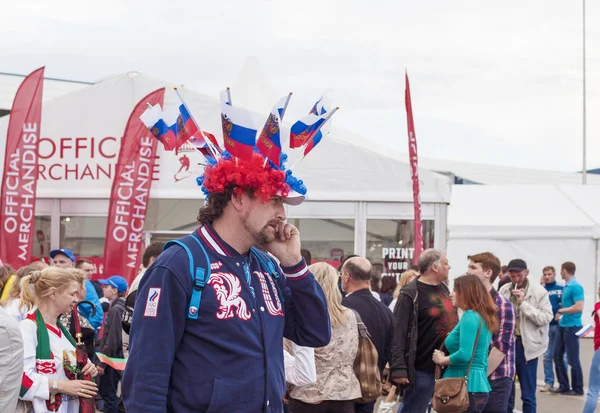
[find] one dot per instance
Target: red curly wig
(251, 175)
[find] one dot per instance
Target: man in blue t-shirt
(555, 294)
(566, 341)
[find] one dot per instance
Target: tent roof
(501, 175)
(517, 211)
(9, 83)
(337, 169)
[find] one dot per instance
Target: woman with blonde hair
(336, 387)
(50, 363)
(406, 277)
(11, 301)
(7, 279)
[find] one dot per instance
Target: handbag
(366, 366)
(451, 395)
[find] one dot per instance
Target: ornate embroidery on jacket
(227, 288)
(273, 307)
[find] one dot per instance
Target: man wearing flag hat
(213, 309)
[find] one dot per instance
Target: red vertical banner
(130, 194)
(19, 183)
(413, 156)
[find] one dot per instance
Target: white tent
(542, 224)
(335, 170)
(79, 146)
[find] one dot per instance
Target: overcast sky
(492, 82)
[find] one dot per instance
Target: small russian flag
(269, 140)
(239, 129)
(585, 331)
(173, 136)
(200, 143)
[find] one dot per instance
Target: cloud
(486, 78)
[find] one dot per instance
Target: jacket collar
(362, 291)
(215, 242)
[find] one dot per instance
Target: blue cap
(63, 251)
(117, 282)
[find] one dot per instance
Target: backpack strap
(266, 262)
(200, 274)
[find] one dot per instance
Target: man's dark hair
(503, 269)
(216, 204)
(357, 273)
(549, 268)
(153, 250)
(569, 267)
(82, 261)
(214, 207)
(306, 255)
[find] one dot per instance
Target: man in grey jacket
(534, 313)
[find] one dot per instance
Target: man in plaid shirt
(501, 360)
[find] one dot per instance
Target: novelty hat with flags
(252, 160)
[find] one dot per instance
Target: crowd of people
(236, 318)
(478, 331)
(41, 339)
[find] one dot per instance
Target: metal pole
(584, 169)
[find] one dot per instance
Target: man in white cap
(534, 313)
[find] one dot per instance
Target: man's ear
(238, 201)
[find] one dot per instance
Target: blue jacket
(92, 296)
(230, 359)
(555, 294)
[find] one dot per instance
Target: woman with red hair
(470, 340)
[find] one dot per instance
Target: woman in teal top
(479, 312)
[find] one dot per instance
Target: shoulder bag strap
(474, 347)
(438, 368)
(362, 328)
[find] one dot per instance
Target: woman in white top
(50, 363)
(300, 368)
(336, 387)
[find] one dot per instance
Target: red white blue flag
(269, 140)
(309, 129)
(171, 136)
(239, 129)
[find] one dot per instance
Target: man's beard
(264, 236)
